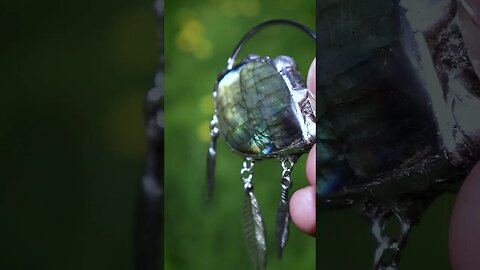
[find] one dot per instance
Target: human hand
(302, 204)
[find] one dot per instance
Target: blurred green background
(73, 75)
(200, 36)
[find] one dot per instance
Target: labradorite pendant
(262, 110)
(258, 115)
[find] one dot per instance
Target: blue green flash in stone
(257, 114)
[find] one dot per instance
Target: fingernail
(311, 77)
(311, 83)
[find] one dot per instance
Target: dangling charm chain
(247, 174)
(283, 211)
(211, 156)
(253, 228)
(388, 249)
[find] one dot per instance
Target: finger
(311, 84)
(311, 166)
(302, 209)
(464, 238)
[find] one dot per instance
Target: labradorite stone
(255, 112)
(392, 83)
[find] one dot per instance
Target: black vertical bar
(149, 212)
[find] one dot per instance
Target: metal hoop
(256, 29)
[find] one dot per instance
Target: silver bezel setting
(300, 104)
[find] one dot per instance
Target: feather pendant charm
(262, 110)
(283, 211)
(253, 228)
(254, 231)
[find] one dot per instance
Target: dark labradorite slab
(257, 115)
(398, 100)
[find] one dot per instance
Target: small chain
(212, 154)
(386, 243)
(247, 173)
(287, 166)
(286, 180)
(214, 122)
(214, 126)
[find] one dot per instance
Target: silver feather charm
(283, 211)
(253, 227)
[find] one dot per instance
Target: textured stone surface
(255, 112)
(398, 98)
